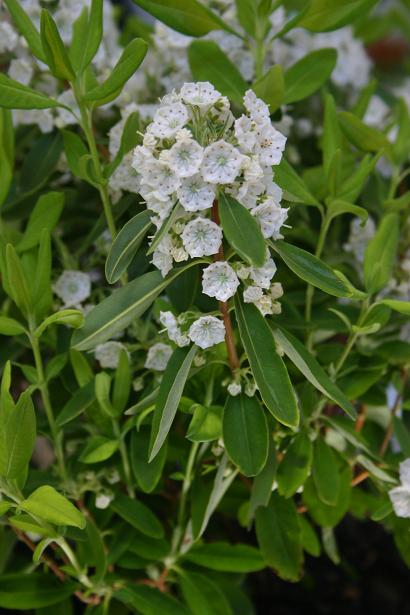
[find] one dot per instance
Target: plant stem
(86, 124)
(223, 306)
(124, 459)
(310, 290)
(45, 396)
(178, 534)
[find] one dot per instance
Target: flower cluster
(193, 151)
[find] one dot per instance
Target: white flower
(103, 500)
(108, 354)
(234, 388)
(201, 237)
(245, 134)
(185, 157)
(160, 177)
(271, 217)
(257, 109)
(202, 94)
(276, 290)
(219, 280)
(252, 294)
(265, 305)
(8, 37)
(168, 120)
(21, 70)
(194, 194)
(400, 496)
(158, 356)
(207, 331)
(140, 157)
(270, 144)
(262, 275)
(222, 163)
(252, 170)
(161, 257)
(173, 330)
(73, 287)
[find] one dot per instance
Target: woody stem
(223, 305)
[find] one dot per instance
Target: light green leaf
(311, 269)
(308, 74)
(26, 28)
(149, 601)
(94, 33)
(295, 466)
(10, 326)
(311, 369)
(46, 503)
(365, 138)
(310, 541)
(25, 592)
(267, 367)
(170, 392)
(339, 207)
(242, 231)
(226, 558)
(55, 53)
(17, 280)
(17, 436)
(189, 17)
(403, 307)
(206, 423)
(69, 318)
(126, 245)
(13, 95)
(218, 69)
(279, 537)
(323, 15)
(293, 186)
(271, 87)
(246, 434)
(138, 515)
(130, 59)
(97, 449)
(75, 149)
(380, 255)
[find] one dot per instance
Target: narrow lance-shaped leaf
(138, 515)
(54, 50)
(311, 369)
(246, 434)
(325, 472)
(17, 436)
(311, 269)
(295, 466)
(307, 75)
(267, 366)
(35, 590)
(46, 503)
(124, 305)
(381, 253)
(270, 87)
(323, 15)
(13, 95)
(94, 33)
(130, 59)
(170, 392)
(26, 28)
(218, 69)
(242, 231)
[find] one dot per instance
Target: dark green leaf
(293, 186)
(271, 87)
(149, 601)
(225, 557)
(138, 515)
(202, 595)
(97, 449)
(126, 245)
(77, 404)
(380, 255)
(295, 466)
(242, 231)
(45, 214)
(31, 591)
(147, 474)
(325, 472)
(321, 513)
(17, 436)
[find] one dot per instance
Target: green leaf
(339, 207)
(40, 162)
(247, 14)
(165, 227)
(25, 523)
(279, 537)
(332, 136)
(149, 601)
(242, 231)
(311, 369)
(170, 392)
(129, 61)
(97, 449)
(267, 367)
(226, 558)
(75, 149)
(189, 17)
(309, 74)
(17, 281)
(122, 383)
(98, 553)
(138, 515)
(46, 213)
(311, 269)
(10, 326)
(26, 28)
(42, 295)
(295, 466)
(365, 138)
(126, 304)
(17, 436)
(126, 245)
(69, 318)
(380, 255)
(25, 592)
(147, 474)
(218, 69)
(263, 483)
(202, 595)
(325, 472)
(13, 95)
(55, 53)
(323, 15)
(94, 33)
(206, 423)
(46, 503)
(102, 393)
(310, 541)
(321, 513)
(271, 87)
(77, 404)
(403, 307)
(293, 186)
(246, 434)
(353, 185)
